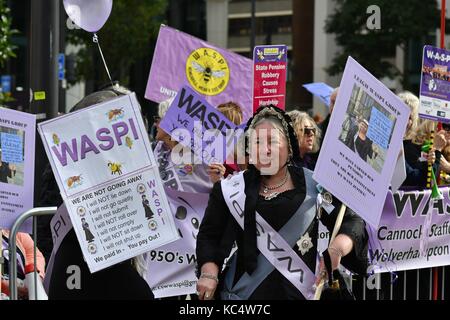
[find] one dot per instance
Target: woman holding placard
(276, 200)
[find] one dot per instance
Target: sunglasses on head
(309, 131)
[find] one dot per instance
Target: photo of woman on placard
(361, 143)
(6, 171)
(89, 236)
(146, 205)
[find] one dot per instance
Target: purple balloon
(89, 15)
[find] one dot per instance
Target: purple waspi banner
(18, 132)
(217, 74)
(414, 232)
(189, 111)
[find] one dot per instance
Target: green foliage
(6, 47)
(125, 38)
(401, 21)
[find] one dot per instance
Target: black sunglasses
(309, 131)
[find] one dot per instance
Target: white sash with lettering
(60, 226)
(284, 258)
(167, 170)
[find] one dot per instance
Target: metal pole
(35, 257)
(404, 285)
(443, 284)
(418, 285)
(253, 27)
(364, 288)
(54, 51)
(13, 245)
(431, 284)
(391, 287)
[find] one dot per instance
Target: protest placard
(354, 168)
(200, 127)
(17, 152)
(435, 84)
(171, 268)
(380, 128)
(269, 76)
(320, 90)
(109, 180)
(217, 74)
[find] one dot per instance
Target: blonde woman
(308, 135)
(415, 137)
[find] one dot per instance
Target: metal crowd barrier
(391, 286)
(414, 284)
(35, 212)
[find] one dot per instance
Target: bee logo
(128, 142)
(55, 139)
(207, 71)
(115, 114)
(74, 181)
(260, 54)
(116, 168)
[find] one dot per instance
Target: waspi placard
(109, 180)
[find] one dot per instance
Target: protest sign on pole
(203, 129)
(269, 76)
(352, 166)
(183, 60)
(171, 268)
(109, 180)
(320, 90)
(435, 84)
(17, 151)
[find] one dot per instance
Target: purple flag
(217, 74)
(413, 233)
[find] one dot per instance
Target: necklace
(274, 194)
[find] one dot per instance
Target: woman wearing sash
(275, 199)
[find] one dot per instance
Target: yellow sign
(39, 95)
(271, 51)
(207, 71)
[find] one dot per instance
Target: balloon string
(95, 40)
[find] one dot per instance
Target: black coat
(219, 230)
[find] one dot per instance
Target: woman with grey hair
(308, 135)
(269, 210)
